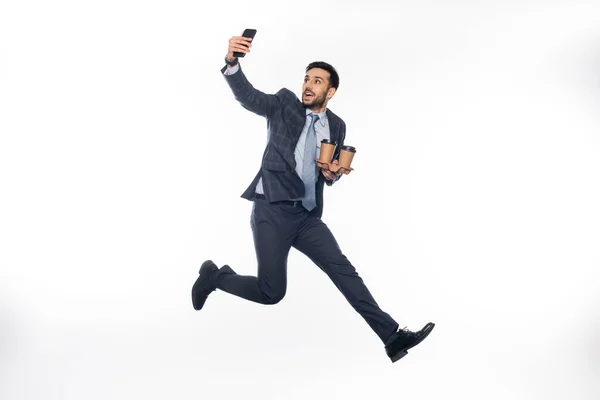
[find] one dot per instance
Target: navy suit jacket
(286, 116)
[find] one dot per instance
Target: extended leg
(317, 242)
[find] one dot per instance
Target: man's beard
(317, 101)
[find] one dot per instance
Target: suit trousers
(277, 227)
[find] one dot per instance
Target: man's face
(315, 88)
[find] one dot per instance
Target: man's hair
(334, 78)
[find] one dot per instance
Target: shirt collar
(322, 116)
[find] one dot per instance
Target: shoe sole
(198, 306)
(404, 352)
(399, 355)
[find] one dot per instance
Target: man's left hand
(330, 175)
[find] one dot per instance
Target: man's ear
(330, 92)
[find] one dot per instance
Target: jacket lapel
(294, 118)
(333, 127)
(334, 132)
(298, 121)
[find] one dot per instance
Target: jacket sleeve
(250, 98)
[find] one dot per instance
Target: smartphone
(249, 33)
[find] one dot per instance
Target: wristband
(231, 63)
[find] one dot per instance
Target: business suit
(278, 225)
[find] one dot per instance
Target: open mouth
(308, 96)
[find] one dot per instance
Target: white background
(473, 204)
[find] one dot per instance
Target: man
(288, 201)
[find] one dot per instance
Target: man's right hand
(238, 44)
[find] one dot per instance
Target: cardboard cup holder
(333, 167)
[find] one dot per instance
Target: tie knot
(315, 117)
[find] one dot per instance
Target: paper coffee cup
(327, 148)
(346, 156)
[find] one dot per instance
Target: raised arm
(250, 98)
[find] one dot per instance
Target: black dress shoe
(203, 287)
(404, 340)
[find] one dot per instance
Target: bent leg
(317, 242)
(272, 242)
